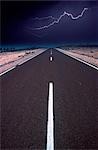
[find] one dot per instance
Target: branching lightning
(57, 20)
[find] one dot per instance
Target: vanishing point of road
(24, 104)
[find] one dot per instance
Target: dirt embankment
(89, 55)
(12, 59)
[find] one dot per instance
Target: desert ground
(89, 55)
(12, 59)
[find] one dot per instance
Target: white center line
(50, 123)
(51, 58)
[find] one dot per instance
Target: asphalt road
(24, 104)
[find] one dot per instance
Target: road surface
(24, 104)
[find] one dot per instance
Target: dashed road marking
(51, 58)
(50, 122)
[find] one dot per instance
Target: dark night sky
(17, 21)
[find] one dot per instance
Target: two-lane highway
(24, 104)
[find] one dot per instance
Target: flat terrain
(11, 59)
(89, 55)
(24, 103)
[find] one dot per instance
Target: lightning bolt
(57, 20)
